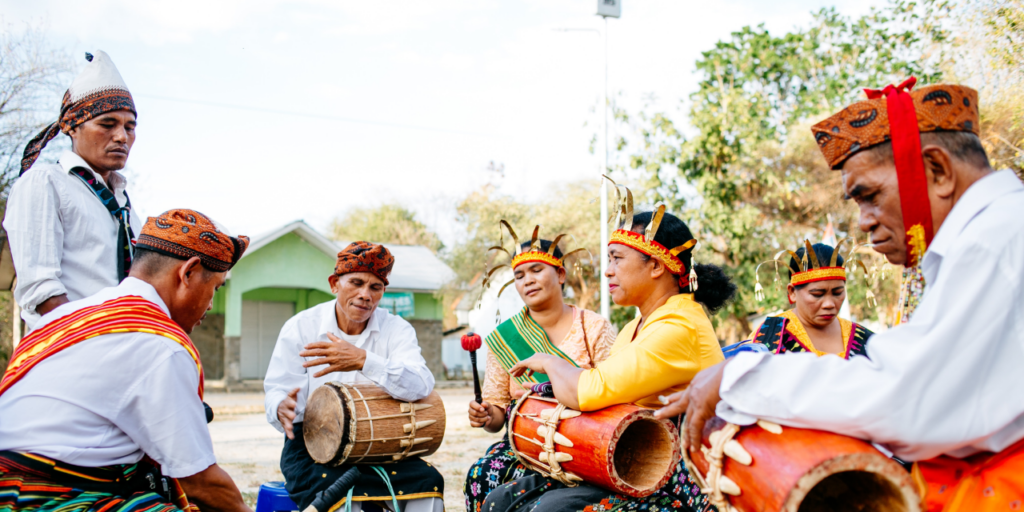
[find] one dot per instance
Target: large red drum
(622, 448)
(769, 468)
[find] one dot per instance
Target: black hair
(152, 263)
(824, 253)
(544, 246)
(714, 287)
(964, 146)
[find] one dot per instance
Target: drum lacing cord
(711, 484)
(551, 423)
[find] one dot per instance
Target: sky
(259, 113)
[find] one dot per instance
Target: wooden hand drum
(362, 424)
(622, 448)
(769, 468)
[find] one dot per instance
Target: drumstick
(333, 494)
(471, 343)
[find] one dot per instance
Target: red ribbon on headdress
(906, 150)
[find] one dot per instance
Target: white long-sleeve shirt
(393, 359)
(947, 382)
(111, 399)
(63, 240)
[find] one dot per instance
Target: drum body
(362, 424)
(622, 448)
(793, 469)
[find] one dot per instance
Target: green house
(285, 272)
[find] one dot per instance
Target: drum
(769, 468)
(622, 448)
(362, 424)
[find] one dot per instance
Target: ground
(249, 449)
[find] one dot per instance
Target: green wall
(286, 267)
(290, 269)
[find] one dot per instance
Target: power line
(315, 116)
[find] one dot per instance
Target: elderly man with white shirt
(939, 389)
(350, 340)
(70, 224)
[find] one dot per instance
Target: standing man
(357, 342)
(939, 388)
(70, 224)
(101, 407)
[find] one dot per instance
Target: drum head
(324, 424)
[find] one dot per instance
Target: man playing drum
(935, 388)
(358, 342)
(101, 407)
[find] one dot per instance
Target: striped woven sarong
(31, 483)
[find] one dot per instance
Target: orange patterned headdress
(535, 253)
(898, 115)
(645, 243)
(184, 234)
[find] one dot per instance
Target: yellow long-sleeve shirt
(675, 343)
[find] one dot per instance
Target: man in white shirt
(939, 388)
(357, 342)
(110, 379)
(69, 224)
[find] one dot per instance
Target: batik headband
(365, 257)
(534, 254)
(97, 90)
(895, 114)
(185, 234)
(645, 243)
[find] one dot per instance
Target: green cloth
(518, 338)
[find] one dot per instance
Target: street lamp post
(606, 9)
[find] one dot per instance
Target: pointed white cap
(99, 75)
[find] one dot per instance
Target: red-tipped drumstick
(471, 342)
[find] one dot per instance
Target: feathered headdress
(623, 217)
(811, 270)
(519, 256)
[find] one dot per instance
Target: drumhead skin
(324, 423)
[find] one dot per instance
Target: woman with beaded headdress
(650, 267)
(578, 336)
(817, 290)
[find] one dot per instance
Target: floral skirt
(497, 467)
(537, 493)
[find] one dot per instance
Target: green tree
(758, 182)
(388, 223)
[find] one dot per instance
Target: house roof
(416, 267)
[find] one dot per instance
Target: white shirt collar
(329, 323)
(977, 197)
(136, 286)
(69, 160)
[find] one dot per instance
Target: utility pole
(606, 9)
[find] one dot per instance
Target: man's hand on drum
(286, 413)
(697, 401)
(338, 354)
(531, 365)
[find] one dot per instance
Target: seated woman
(572, 333)
(817, 292)
(656, 354)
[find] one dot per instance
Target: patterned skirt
(497, 467)
(540, 494)
(31, 483)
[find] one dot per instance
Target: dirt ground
(249, 449)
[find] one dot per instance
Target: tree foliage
(758, 181)
(33, 75)
(387, 224)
